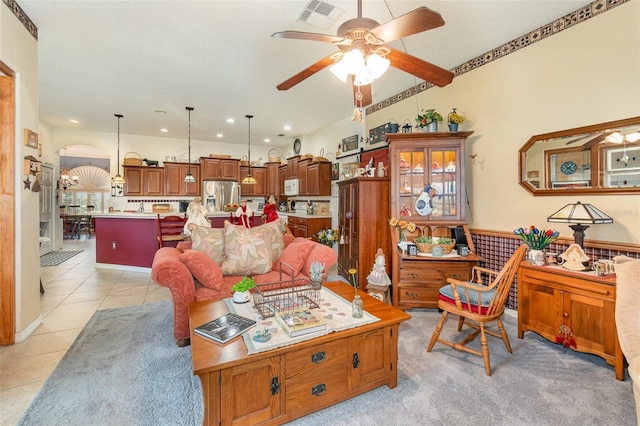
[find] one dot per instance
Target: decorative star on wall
(27, 183)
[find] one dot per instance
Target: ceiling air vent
(320, 14)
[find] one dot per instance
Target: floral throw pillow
(247, 250)
(209, 241)
(277, 241)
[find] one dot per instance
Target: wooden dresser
(551, 296)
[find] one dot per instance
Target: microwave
(291, 187)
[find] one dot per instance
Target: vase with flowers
(357, 310)
(428, 120)
(537, 239)
(402, 226)
(454, 119)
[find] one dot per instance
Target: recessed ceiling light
(163, 130)
(267, 140)
(219, 135)
(287, 127)
(74, 122)
(230, 120)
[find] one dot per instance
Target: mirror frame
(596, 162)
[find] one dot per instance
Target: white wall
(18, 50)
(584, 75)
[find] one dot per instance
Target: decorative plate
(296, 146)
(568, 167)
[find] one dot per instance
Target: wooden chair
(170, 229)
(478, 304)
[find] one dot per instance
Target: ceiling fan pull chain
(357, 111)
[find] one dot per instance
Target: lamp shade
(579, 213)
(377, 65)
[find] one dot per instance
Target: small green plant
(245, 284)
(423, 240)
(427, 117)
(442, 240)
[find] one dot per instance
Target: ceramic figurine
(262, 336)
(197, 215)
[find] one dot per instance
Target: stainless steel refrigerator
(216, 194)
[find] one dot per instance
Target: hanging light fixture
(118, 179)
(364, 70)
(189, 177)
(249, 180)
(65, 179)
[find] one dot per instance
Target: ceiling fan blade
(365, 91)
(306, 73)
(414, 22)
(421, 69)
(578, 139)
(300, 35)
(597, 139)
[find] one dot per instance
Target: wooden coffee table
(282, 384)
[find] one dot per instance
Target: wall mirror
(599, 159)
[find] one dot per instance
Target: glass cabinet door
(437, 176)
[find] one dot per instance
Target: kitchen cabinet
(307, 226)
(273, 179)
(303, 167)
(551, 296)
(292, 167)
(220, 169)
(363, 212)
(319, 178)
(282, 176)
(143, 180)
(174, 184)
(259, 189)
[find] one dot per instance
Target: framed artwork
(335, 171)
(350, 143)
(30, 138)
(571, 184)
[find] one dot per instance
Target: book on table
(300, 321)
(225, 328)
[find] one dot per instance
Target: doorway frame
(7, 206)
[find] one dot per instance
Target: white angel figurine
(197, 215)
(378, 275)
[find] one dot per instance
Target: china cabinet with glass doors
(428, 189)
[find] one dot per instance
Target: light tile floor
(74, 290)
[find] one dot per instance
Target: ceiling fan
(367, 37)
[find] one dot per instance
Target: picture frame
(335, 171)
(30, 138)
(571, 184)
(350, 143)
(412, 249)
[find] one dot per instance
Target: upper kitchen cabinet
(141, 180)
(259, 189)
(427, 175)
(220, 169)
(174, 184)
(273, 182)
(319, 178)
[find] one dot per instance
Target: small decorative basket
(132, 161)
(244, 162)
(273, 156)
(426, 247)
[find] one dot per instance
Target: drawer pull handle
(412, 275)
(275, 386)
(565, 314)
(319, 390)
(318, 358)
(411, 295)
(455, 276)
(356, 360)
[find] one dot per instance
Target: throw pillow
(209, 241)
(295, 255)
(247, 250)
(203, 268)
(277, 241)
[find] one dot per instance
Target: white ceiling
(97, 58)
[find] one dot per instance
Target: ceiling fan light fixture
(340, 70)
(633, 137)
(363, 77)
(377, 65)
(615, 137)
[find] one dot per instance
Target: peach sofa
(193, 276)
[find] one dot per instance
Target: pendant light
(189, 177)
(249, 180)
(118, 179)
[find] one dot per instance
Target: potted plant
(428, 120)
(454, 119)
(241, 289)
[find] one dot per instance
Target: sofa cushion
(247, 250)
(209, 241)
(203, 268)
(294, 256)
(277, 241)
